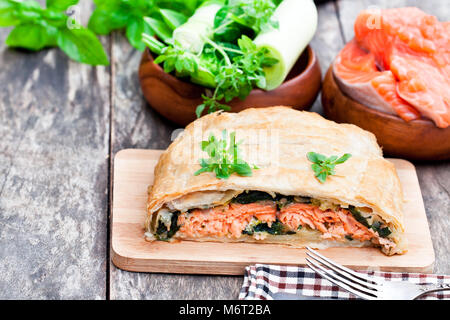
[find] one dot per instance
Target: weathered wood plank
(54, 148)
(434, 181)
(135, 125)
(327, 41)
(434, 178)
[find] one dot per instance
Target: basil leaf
(220, 17)
(30, 4)
(28, 36)
(104, 21)
(60, 5)
(82, 45)
(134, 32)
(159, 28)
(172, 18)
(186, 7)
(7, 13)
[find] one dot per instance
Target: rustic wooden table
(61, 123)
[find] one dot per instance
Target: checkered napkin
(261, 281)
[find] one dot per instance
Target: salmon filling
(227, 220)
(333, 224)
(234, 219)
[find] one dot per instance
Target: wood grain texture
(54, 147)
(136, 125)
(433, 178)
(133, 173)
(326, 42)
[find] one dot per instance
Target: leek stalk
(297, 24)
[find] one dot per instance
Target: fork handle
(433, 288)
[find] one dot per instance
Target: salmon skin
(399, 63)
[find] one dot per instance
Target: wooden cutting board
(133, 173)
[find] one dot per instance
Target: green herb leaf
(342, 159)
(154, 45)
(60, 5)
(239, 77)
(239, 16)
(199, 110)
(243, 169)
(104, 21)
(173, 19)
(8, 16)
(29, 36)
(134, 32)
(159, 28)
(82, 45)
(224, 157)
(323, 166)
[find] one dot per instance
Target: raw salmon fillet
(405, 54)
(360, 79)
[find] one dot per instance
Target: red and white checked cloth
(261, 281)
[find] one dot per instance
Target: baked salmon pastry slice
(311, 182)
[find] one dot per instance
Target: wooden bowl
(415, 140)
(177, 100)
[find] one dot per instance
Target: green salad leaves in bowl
(230, 55)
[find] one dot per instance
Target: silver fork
(364, 286)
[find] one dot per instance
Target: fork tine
(341, 267)
(343, 279)
(338, 271)
(340, 284)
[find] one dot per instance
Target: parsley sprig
(36, 28)
(323, 166)
(224, 158)
(236, 77)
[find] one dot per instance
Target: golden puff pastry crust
(277, 140)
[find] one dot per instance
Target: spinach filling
(251, 197)
(255, 196)
(277, 228)
(358, 216)
(376, 226)
(161, 231)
